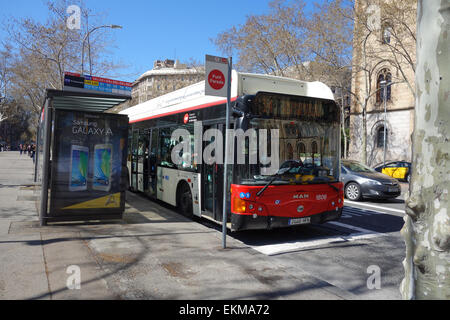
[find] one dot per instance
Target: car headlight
(374, 182)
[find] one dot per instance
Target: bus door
(134, 160)
(151, 172)
(142, 161)
(212, 182)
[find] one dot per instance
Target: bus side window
(165, 148)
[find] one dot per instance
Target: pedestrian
(33, 151)
(20, 148)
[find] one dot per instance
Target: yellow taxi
(396, 169)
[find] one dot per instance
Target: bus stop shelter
(80, 168)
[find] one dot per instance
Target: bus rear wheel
(184, 200)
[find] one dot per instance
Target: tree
(5, 58)
(271, 43)
(330, 40)
(43, 52)
(290, 41)
(427, 224)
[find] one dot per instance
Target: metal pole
(112, 26)
(89, 54)
(45, 162)
(36, 152)
(225, 164)
(384, 134)
(82, 55)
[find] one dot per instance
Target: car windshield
(357, 167)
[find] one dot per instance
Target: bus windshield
(308, 141)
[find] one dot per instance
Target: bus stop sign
(216, 76)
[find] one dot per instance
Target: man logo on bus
(186, 118)
(216, 79)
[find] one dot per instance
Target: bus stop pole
(225, 163)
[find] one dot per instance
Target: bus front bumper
(241, 222)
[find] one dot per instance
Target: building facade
(166, 76)
(383, 81)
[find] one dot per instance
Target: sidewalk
(153, 253)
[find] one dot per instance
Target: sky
(155, 29)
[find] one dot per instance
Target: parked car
(396, 169)
(360, 182)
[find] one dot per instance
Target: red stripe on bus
(207, 105)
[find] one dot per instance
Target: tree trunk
(427, 228)
(343, 122)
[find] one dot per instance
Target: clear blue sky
(155, 29)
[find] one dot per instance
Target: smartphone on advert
(79, 158)
(102, 167)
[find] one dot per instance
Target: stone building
(166, 76)
(384, 51)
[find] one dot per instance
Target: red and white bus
(305, 190)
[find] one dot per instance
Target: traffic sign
(216, 76)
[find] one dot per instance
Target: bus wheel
(184, 200)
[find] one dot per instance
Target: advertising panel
(88, 163)
(89, 83)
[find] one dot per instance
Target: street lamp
(384, 85)
(112, 26)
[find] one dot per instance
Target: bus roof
(193, 97)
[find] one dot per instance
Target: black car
(361, 182)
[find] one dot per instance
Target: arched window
(314, 148)
(301, 148)
(380, 136)
(290, 152)
(301, 151)
(386, 34)
(384, 75)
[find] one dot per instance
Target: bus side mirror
(237, 113)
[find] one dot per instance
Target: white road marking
(373, 206)
(348, 226)
(278, 248)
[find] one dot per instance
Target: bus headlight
(322, 173)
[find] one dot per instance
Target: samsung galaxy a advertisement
(88, 163)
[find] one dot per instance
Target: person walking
(33, 151)
(20, 148)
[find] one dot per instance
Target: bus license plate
(299, 221)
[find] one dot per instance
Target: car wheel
(353, 191)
